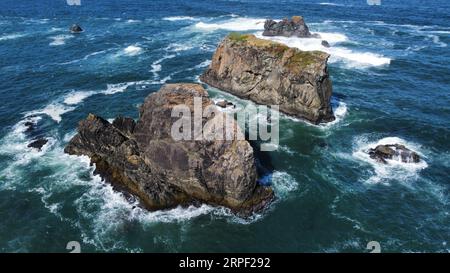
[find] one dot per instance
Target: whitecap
(60, 39)
(54, 110)
(179, 18)
(235, 24)
(132, 21)
(77, 97)
(331, 4)
(132, 50)
(395, 168)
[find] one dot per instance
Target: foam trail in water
(12, 36)
(331, 4)
(156, 65)
(180, 18)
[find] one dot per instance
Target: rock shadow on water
(264, 166)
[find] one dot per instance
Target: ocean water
(391, 83)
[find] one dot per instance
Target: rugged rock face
(270, 73)
(393, 151)
(163, 172)
(287, 28)
(76, 28)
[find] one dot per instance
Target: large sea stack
(164, 173)
(271, 73)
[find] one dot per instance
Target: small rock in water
(225, 104)
(76, 28)
(393, 151)
(325, 43)
(30, 126)
(38, 143)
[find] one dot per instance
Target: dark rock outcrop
(271, 73)
(287, 28)
(38, 143)
(325, 43)
(163, 172)
(393, 151)
(76, 29)
(225, 104)
(125, 125)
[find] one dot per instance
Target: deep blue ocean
(390, 66)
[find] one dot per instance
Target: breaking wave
(351, 58)
(235, 24)
(132, 50)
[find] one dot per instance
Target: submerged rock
(393, 151)
(38, 143)
(287, 28)
(163, 172)
(76, 28)
(271, 73)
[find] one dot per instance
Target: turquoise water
(390, 70)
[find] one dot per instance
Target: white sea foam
(12, 36)
(132, 21)
(117, 87)
(180, 18)
(351, 58)
(339, 113)
(179, 47)
(395, 168)
(282, 183)
(234, 24)
(330, 4)
(132, 50)
(436, 40)
(156, 65)
(54, 110)
(59, 39)
(77, 97)
(203, 64)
